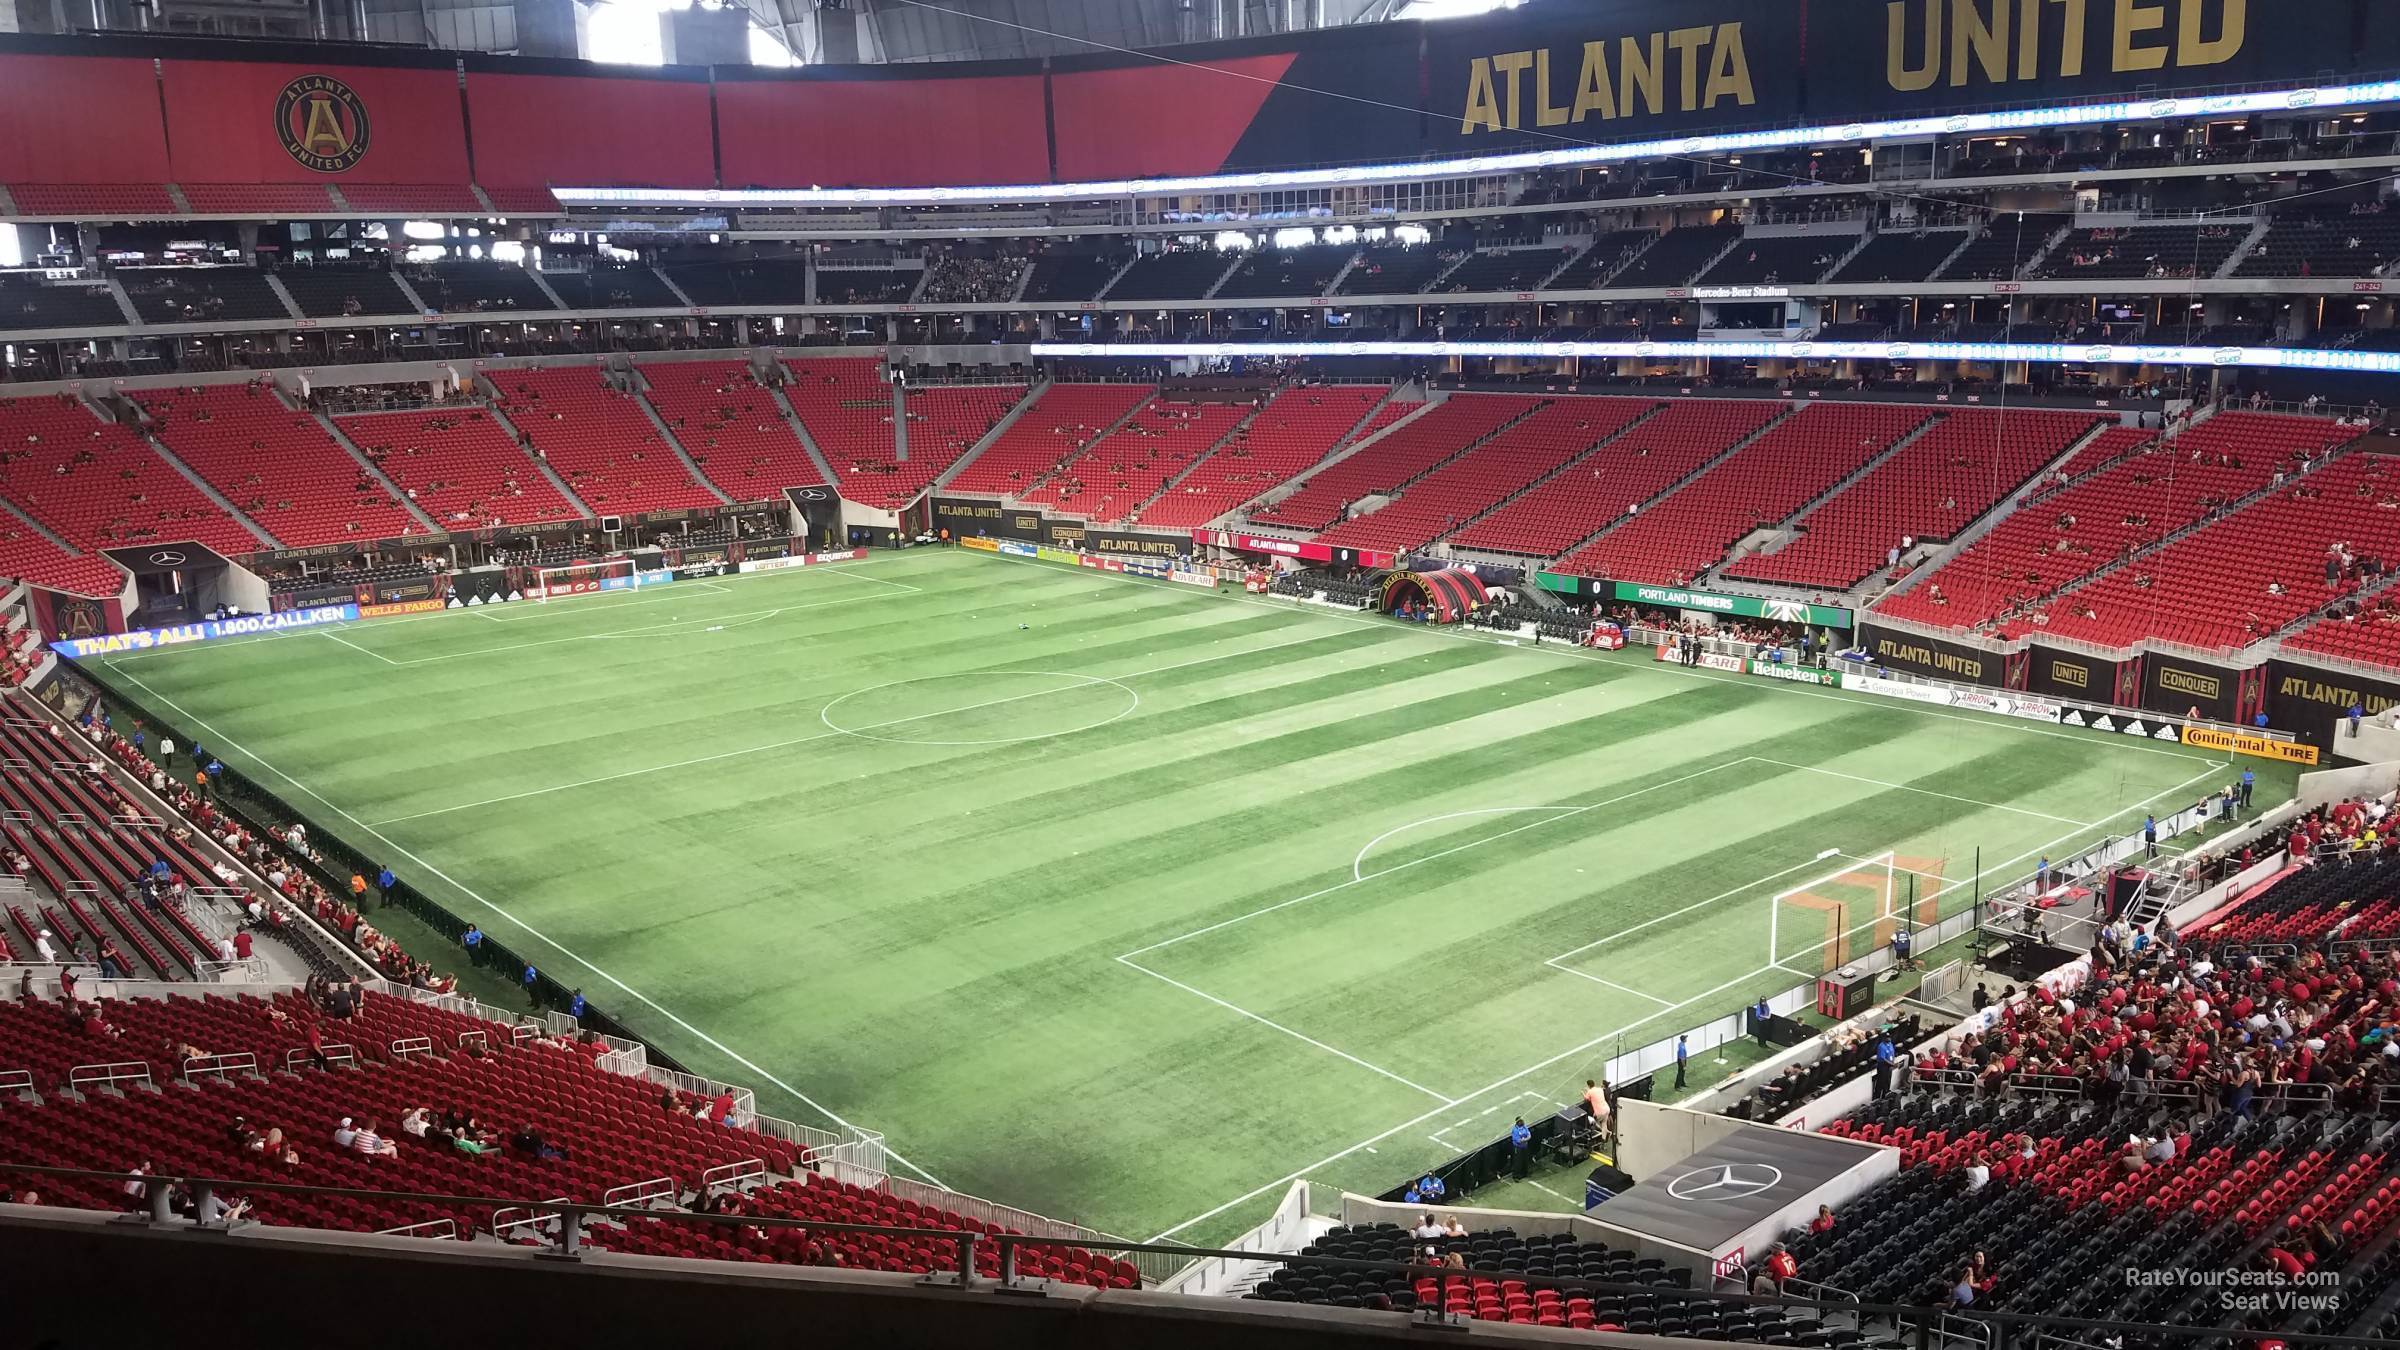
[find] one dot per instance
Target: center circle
(980, 707)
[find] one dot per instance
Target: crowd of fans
(285, 861)
(973, 281)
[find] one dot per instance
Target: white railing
(1286, 1230)
(641, 1192)
(16, 1080)
(217, 1066)
(431, 1228)
(410, 1045)
(334, 1054)
(509, 1218)
(732, 1174)
(106, 1075)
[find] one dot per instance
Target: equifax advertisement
(246, 625)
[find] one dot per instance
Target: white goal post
(1823, 924)
(558, 583)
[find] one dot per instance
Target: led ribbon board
(2036, 353)
(2326, 99)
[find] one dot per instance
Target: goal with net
(558, 583)
(1822, 925)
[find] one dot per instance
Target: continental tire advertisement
(2227, 739)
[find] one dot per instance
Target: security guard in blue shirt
(1520, 1143)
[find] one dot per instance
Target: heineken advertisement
(1743, 606)
(1796, 674)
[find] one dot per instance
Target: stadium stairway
(1774, 417)
(209, 490)
(1175, 480)
(1787, 530)
(374, 470)
(1388, 417)
(641, 399)
(1457, 426)
(500, 418)
(1033, 394)
(816, 453)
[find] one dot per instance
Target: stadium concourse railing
(1921, 1327)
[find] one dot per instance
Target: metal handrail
(1006, 1245)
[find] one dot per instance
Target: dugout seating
(1183, 275)
(2111, 512)
(2241, 578)
(1639, 464)
(325, 291)
(1678, 255)
(1111, 478)
(99, 484)
(598, 439)
(200, 294)
(1398, 459)
(825, 1200)
(93, 201)
(1296, 429)
(275, 464)
(1549, 441)
(459, 467)
(1779, 259)
(614, 1129)
(730, 426)
(1394, 269)
(1063, 420)
(1684, 534)
(1515, 269)
(1932, 489)
(1900, 255)
(1277, 272)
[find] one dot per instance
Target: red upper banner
(69, 120)
(1141, 121)
(573, 131)
(250, 122)
(882, 133)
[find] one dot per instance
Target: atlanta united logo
(322, 123)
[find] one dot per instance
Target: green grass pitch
(1118, 900)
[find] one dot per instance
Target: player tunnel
(1449, 595)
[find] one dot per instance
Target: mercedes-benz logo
(1725, 1182)
(167, 557)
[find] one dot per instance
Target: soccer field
(1117, 900)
